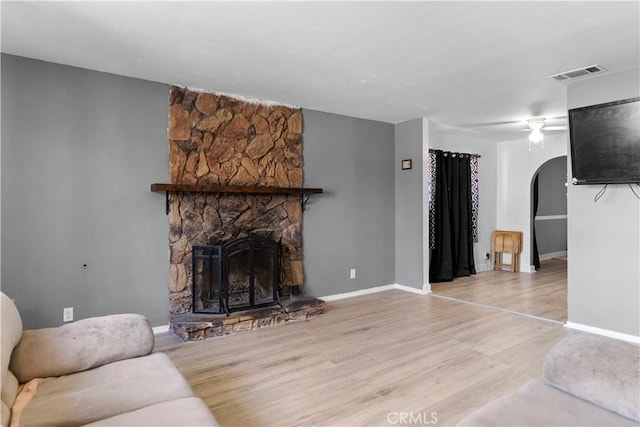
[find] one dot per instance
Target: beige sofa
(97, 371)
(588, 380)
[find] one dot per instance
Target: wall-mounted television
(605, 143)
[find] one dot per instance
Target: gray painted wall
(552, 193)
(350, 225)
(551, 234)
(409, 199)
(79, 150)
(604, 237)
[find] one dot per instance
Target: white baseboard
(551, 255)
(357, 293)
(160, 329)
(368, 291)
(527, 269)
(604, 332)
(426, 288)
(483, 265)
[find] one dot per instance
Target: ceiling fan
(549, 124)
(536, 128)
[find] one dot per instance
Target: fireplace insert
(238, 275)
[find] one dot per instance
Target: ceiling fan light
(536, 135)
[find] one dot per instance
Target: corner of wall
(411, 142)
(426, 135)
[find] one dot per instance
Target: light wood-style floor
(542, 294)
(366, 360)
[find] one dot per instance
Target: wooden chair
(509, 242)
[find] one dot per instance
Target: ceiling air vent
(579, 72)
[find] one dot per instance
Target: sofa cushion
(6, 414)
(189, 411)
(82, 345)
(538, 404)
(106, 391)
(601, 370)
(10, 336)
(9, 389)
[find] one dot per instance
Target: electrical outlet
(67, 314)
(486, 255)
(352, 273)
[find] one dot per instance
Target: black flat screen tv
(605, 143)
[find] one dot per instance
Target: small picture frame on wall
(406, 164)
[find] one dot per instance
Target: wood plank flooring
(365, 360)
(541, 294)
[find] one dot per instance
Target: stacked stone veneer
(222, 140)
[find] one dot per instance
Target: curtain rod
(455, 152)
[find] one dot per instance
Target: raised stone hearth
(193, 327)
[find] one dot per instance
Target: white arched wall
(552, 201)
(516, 166)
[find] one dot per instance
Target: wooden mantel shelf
(199, 188)
(226, 189)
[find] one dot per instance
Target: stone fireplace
(221, 141)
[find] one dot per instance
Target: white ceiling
(472, 66)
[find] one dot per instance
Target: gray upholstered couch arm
(81, 345)
(603, 371)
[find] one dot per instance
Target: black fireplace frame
(218, 258)
(211, 257)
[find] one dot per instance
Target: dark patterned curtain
(453, 214)
(535, 255)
